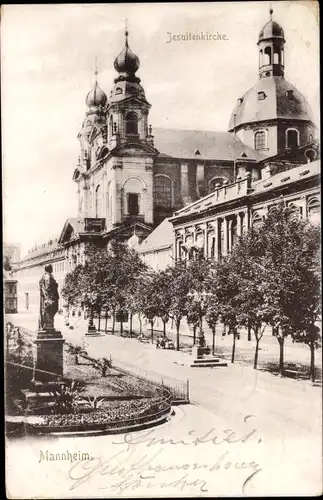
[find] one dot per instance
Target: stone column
(184, 182)
(239, 224)
(230, 235)
(225, 236)
(246, 224)
(216, 238)
(206, 241)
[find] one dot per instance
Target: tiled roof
(211, 145)
(51, 246)
(162, 236)
(276, 104)
(77, 224)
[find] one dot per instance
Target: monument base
(91, 330)
(198, 352)
(49, 357)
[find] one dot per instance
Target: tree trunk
(130, 325)
(121, 326)
(312, 366)
(249, 332)
(233, 346)
(140, 324)
(106, 321)
(213, 340)
(99, 326)
(152, 331)
(255, 363)
(164, 328)
(281, 355)
(177, 334)
(113, 321)
(194, 334)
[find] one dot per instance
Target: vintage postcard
(161, 173)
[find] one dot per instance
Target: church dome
(127, 61)
(96, 97)
(271, 30)
(271, 98)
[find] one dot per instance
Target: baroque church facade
(131, 178)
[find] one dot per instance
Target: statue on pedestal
(48, 299)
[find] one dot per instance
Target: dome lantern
(271, 49)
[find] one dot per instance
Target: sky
(48, 59)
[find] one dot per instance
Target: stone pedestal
(201, 358)
(198, 352)
(49, 356)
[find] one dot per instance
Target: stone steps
(208, 362)
(33, 397)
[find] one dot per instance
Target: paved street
(285, 412)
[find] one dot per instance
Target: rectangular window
(133, 203)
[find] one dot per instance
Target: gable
(71, 230)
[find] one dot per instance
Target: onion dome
(96, 97)
(127, 62)
(271, 30)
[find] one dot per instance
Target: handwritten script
(146, 460)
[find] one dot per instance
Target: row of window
(37, 270)
(267, 56)
(313, 209)
(292, 139)
(162, 195)
(189, 248)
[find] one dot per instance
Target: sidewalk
(295, 354)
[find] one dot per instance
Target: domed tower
(127, 112)
(94, 124)
(272, 117)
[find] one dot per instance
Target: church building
(132, 178)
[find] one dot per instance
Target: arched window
(314, 211)
(276, 56)
(214, 181)
(163, 187)
(98, 201)
(260, 58)
(296, 210)
(267, 56)
(256, 220)
(310, 155)
(292, 138)
(310, 138)
(131, 123)
(260, 140)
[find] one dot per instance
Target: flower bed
(124, 416)
(85, 399)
